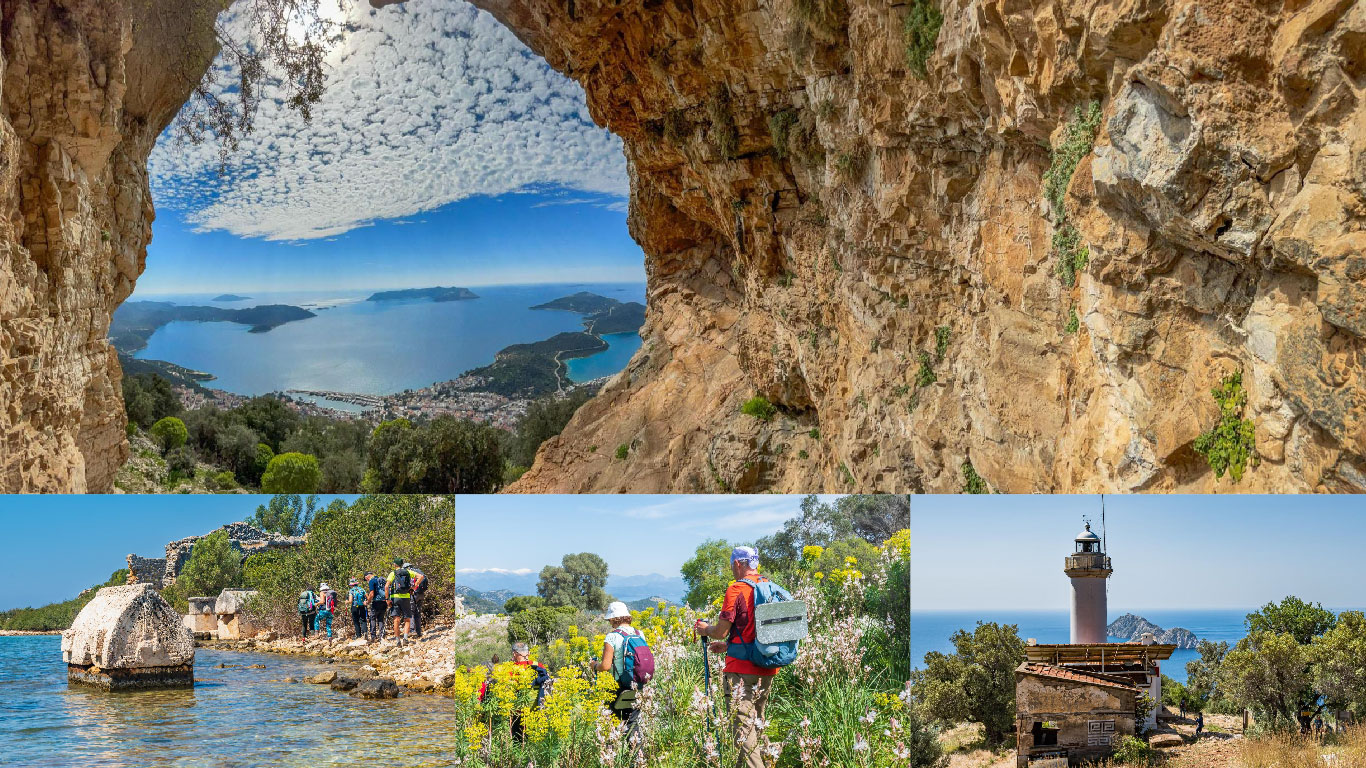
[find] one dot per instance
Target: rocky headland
(1132, 628)
(437, 293)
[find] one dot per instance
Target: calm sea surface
(932, 630)
(374, 347)
(232, 717)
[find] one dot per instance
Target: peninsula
(134, 322)
(435, 294)
(536, 369)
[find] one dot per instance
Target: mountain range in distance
(438, 293)
(505, 584)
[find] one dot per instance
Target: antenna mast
(1104, 544)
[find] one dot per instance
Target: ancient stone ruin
(200, 619)
(245, 538)
(233, 622)
(129, 637)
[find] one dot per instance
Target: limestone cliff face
(85, 88)
(892, 219)
(1223, 208)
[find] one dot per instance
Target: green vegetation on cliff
(1230, 445)
(536, 369)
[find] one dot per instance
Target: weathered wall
(85, 87)
(1223, 208)
(1072, 706)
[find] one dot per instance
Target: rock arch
(812, 213)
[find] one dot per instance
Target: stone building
(1138, 664)
(200, 619)
(1067, 717)
(129, 637)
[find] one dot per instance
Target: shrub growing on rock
(760, 408)
(921, 31)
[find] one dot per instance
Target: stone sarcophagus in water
(126, 638)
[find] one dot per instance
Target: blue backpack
(357, 597)
(769, 656)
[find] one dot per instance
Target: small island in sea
(1132, 628)
(230, 297)
(438, 293)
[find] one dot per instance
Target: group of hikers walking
(747, 675)
(373, 600)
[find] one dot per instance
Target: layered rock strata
(869, 250)
(872, 251)
(129, 637)
(85, 88)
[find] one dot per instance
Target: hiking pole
(706, 682)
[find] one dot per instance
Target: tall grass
(838, 706)
(1292, 750)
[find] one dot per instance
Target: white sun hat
(617, 610)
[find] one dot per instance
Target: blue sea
(379, 348)
(232, 716)
(932, 630)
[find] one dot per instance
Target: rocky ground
(426, 665)
(145, 471)
(1218, 747)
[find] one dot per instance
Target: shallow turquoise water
(232, 717)
(373, 347)
(620, 347)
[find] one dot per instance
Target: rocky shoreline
(27, 632)
(420, 666)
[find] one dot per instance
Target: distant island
(135, 321)
(1132, 628)
(537, 369)
(230, 297)
(435, 294)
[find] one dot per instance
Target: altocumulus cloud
(427, 103)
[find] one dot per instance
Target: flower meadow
(843, 703)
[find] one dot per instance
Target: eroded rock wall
(1223, 209)
(85, 88)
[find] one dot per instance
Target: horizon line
(394, 288)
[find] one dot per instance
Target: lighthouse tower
(1088, 567)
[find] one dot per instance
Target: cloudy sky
(443, 151)
(636, 535)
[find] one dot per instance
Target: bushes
(921, 31)
(169, 433)
(1230, 445)
(760, 408)
(723, 134)
(56, 616)
(292, 473)
(1135, 752)
(973, 482)
(539, 625)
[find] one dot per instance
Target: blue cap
(749, 555)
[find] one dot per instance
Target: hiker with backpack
(327, 605)
(308, 610)
(379, 606)
(627, 656)
(357, 595)
(400, 592)
(419, 589)
(750, 666)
